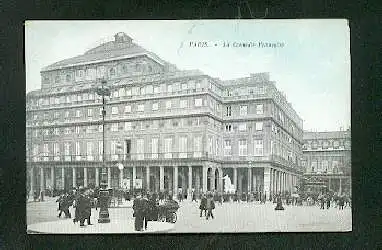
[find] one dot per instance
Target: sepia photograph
(188, 126)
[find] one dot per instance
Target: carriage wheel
(174, 217)
(162, 218)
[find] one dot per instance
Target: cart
(167, 211)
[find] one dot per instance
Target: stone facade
(327, 160)
(169, 128)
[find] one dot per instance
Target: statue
(228, 187)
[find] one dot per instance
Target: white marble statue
(228, 186)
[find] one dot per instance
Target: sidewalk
(121, 222)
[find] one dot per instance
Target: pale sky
(312, 69)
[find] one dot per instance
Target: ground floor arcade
(172, 178)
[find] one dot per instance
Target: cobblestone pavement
(229, 217)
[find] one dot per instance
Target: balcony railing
(194, 155)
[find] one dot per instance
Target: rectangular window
(183, 147)
(168, 148)
(121, 92)
(56, 149)
(228, 128)
(169, 88)
(56, 131)
(184, 86)
(113, 150)
(90, 112)
(88, 129)
(149, 89)
(128, 92)
(140, 149)
(67, 99)
(227, 148)
(259, 109)
(259, 126)
(91, 96)
(168, 104)
(78, 152)
(217, 147)
(100, 128)
(154, 148)
(56, 115)
(242, 127)
(57, 101)
(183, 103)
(89, 151)
(228, 111)
(198, 102)
(127, 126)
(114, 127)
(258, 146)
(78, 113)
(210, 147)
(85, 96)
(141, 107)
(155, 106)
(243, 110)
(127, 109)
(67, 149)
(114, 110)
(100, 149)
(156, 90)
(77, 130)
(142, 91)
(79, 98)
(242, 147)
(197, 146)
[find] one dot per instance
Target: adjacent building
(171, 129)
(327, 161)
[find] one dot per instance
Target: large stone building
(169, 128)
(327, 161)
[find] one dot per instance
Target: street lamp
(103, 192)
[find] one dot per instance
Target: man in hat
(138, 213)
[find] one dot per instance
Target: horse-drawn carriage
(165, 212)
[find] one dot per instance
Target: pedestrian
(60, 201)
(328, 198)
(341, 202)
(193, 195)
(202, 206)
(321, 198)
(210, 205)
(146, 210)
(279, 203)
(138, 213)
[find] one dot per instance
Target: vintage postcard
(188, 126)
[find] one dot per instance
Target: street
(229, 217)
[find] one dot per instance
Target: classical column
(329, 183)
(31, 176)
(148, 178)
(109, 177)
(63, 177)
(249, 179)
(189, 181)
(74, 177)
(212, 179)
(204, 176)
(267, 181)
(235, 178)
(52, 179)
(161, 178)
(97, 177)
(134, 176)
(254, 182)
(120, 178)
(197, 180)
(240, 181)
(85, 177)
(175, 181)
(340, 190)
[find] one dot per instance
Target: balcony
(193, 155)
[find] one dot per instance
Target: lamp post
(103, 192)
